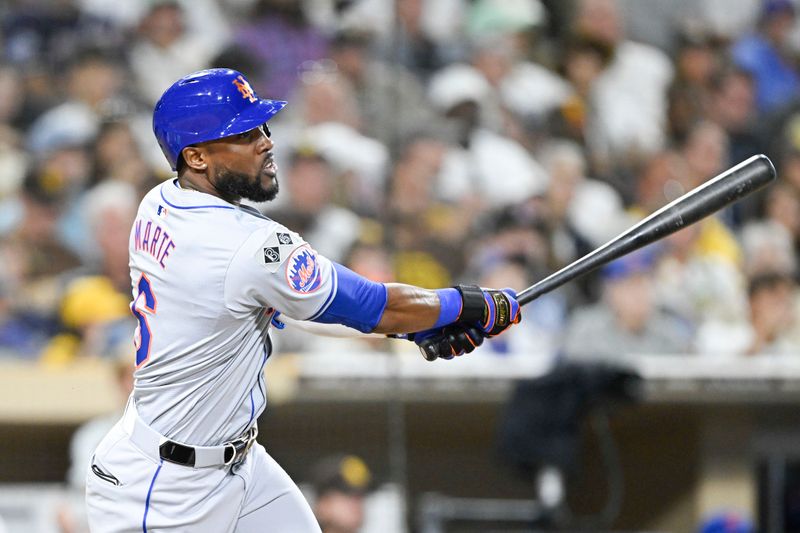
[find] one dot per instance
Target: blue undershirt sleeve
(358, 302)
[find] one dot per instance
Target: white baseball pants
(132, 490)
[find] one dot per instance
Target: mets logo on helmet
(244, 88)
(302, 271)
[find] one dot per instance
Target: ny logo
(244, 88)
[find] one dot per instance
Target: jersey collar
(179, 198)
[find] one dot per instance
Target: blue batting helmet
(207, 105)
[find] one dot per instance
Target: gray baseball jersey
(207, 279)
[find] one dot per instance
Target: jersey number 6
(144, 304)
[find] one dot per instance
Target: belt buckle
(241, 446)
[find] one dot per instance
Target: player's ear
(195, 158)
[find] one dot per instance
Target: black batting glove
(447, 342)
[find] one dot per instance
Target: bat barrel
(726, 188)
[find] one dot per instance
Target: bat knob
(429, 351)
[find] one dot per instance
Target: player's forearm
(371, 307)
(408, 309)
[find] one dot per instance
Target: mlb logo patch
(162, 211)
(272, 255)
(303, 272)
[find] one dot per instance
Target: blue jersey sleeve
(354, 301)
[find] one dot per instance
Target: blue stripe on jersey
(252, 407)
(358, 303)
(261, 375)
(150, 491)
(161, 192)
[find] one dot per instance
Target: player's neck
(186, 182)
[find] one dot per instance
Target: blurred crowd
(429, 142)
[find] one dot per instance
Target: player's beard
(237, 185)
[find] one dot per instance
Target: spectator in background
(697, 61)
(165, 48)
(770, 325)
(582, 60)
(94, 308)
(782, 208)
(698, 288)
(325, 95)
(767, 247)
(732, 107)
(390, 99)
(629, 95)
(47, 33)
(69, 165)
(33, 254)
(202, 16)
(117, 156)
(23, 332)
(426, 235)
(312, 189)
(12, 96)
(767, 56)
(94, 84)
(341, 484)
(508, 108)
(13, 159)
(327, 118)
(705, 149)
(516, 234)
(581, 213)
(699, 273)
(281, 36)
(627, 322)
(789, 165)
(772, 304)
(479, 157)
(502, 37)
(423, 39)
(660, 180)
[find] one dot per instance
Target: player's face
(243, 166)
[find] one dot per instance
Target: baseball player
(209, 276)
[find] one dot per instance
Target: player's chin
(268, 180)
(269, 188)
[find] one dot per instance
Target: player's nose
(264, 144)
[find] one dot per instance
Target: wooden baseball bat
(726, 188)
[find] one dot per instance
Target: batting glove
(447, 342)
(492, 310)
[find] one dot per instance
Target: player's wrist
(474, 308)
(450, 305)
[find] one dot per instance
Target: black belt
(235, 451)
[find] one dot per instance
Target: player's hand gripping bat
(713, 195)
